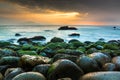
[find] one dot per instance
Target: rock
(4, 44)
(111, 46)
(29, 76)
(70, 52)
(75, 43)
(1, 76)
(56, 39)
(74, 35)
(10, 60)
(102, 39)
(28, 62)
(64, 56)
(27, 52)
(116, 61)
(7, 52)
(3, 68)
(13, 73)
(67, 28)
(88, 64)
(24, 41)
(64, 69)
(110, 75)
(100, 58)
(92, 50)
(42, 68)
(37, 38)
(18, 34)
(109, 67)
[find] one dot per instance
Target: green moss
(22, 52)
(4, 44)
(111, 46)
(56, 39)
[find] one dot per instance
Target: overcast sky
(74, 12)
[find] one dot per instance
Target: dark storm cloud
(70, 5)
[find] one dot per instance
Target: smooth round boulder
(88, 64)
(13, 73)
(28, 61)
(116, 61)
(100, 58)
(109, 75)
(1, 76)
(109, 67)
(64, 56)
(42, 68)
(10, 60)
(56, 39)
(64, 69)
(29, 76)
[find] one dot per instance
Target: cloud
(69, 5)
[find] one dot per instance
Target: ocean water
(87, 33)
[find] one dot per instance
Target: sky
(60, 12)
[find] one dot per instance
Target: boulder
(24, 41)
(110, 75)
(109, 67)
(13, 73)
(116, 61)
(38, 38)
(88, 64)
(67, 28)
(28, 61)
(18, 34)
(29, 76)
(64, 69)
(42, 68)
(74, 35)
(56, 39)
(100, 58)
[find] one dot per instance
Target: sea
(87, 33)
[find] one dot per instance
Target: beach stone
(116, 61)
(75, 43)
(7, 52)
(1, 76)
(109, 67)
(70, 52)
(109, 75)
(37, 38)
(42, 68)
(56, 39)
(3, 68)
(64, 56)
(29, 61)
(24, 40)
(26, 52)
(64, 69)
(87, 64)
(100, 58)
(13, 73)
(4, 44)
(67, 28)
(74, 34)
(10, 60)
(29, 76)
(18, 34)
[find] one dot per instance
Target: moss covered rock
(29, 76)
(88, 64)
(111, 75)
(56, 39)
(64, 68)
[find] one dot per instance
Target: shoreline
(36, 58)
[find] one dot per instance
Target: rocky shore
(58, 60)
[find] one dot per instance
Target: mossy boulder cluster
(59, 60)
